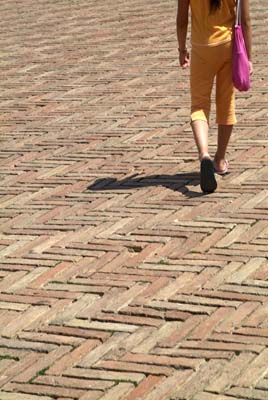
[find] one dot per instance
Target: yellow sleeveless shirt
(212, 29)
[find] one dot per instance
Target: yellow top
(212, 29)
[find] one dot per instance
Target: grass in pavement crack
(39, 373)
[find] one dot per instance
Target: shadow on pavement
(178, 183)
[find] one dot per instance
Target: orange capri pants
(208, 62)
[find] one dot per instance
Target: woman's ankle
(204, 155)
(219, 157)
(219, 162)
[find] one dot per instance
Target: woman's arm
(246, 26)
(182, 25)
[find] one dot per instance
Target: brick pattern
(119, 280)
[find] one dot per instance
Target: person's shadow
(177, 182)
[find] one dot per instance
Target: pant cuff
(199, 115)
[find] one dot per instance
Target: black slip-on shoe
(208, 181)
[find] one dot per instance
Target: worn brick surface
(119, 280)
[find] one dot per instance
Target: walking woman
(211, 57)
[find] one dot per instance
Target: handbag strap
(238, 13)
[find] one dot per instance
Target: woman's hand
(250, 68)
(184, 58)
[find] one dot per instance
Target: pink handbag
(241, 75)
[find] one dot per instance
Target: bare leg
(200, 131)
(224, 134)
(208, 182)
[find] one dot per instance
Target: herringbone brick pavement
(118, 278)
